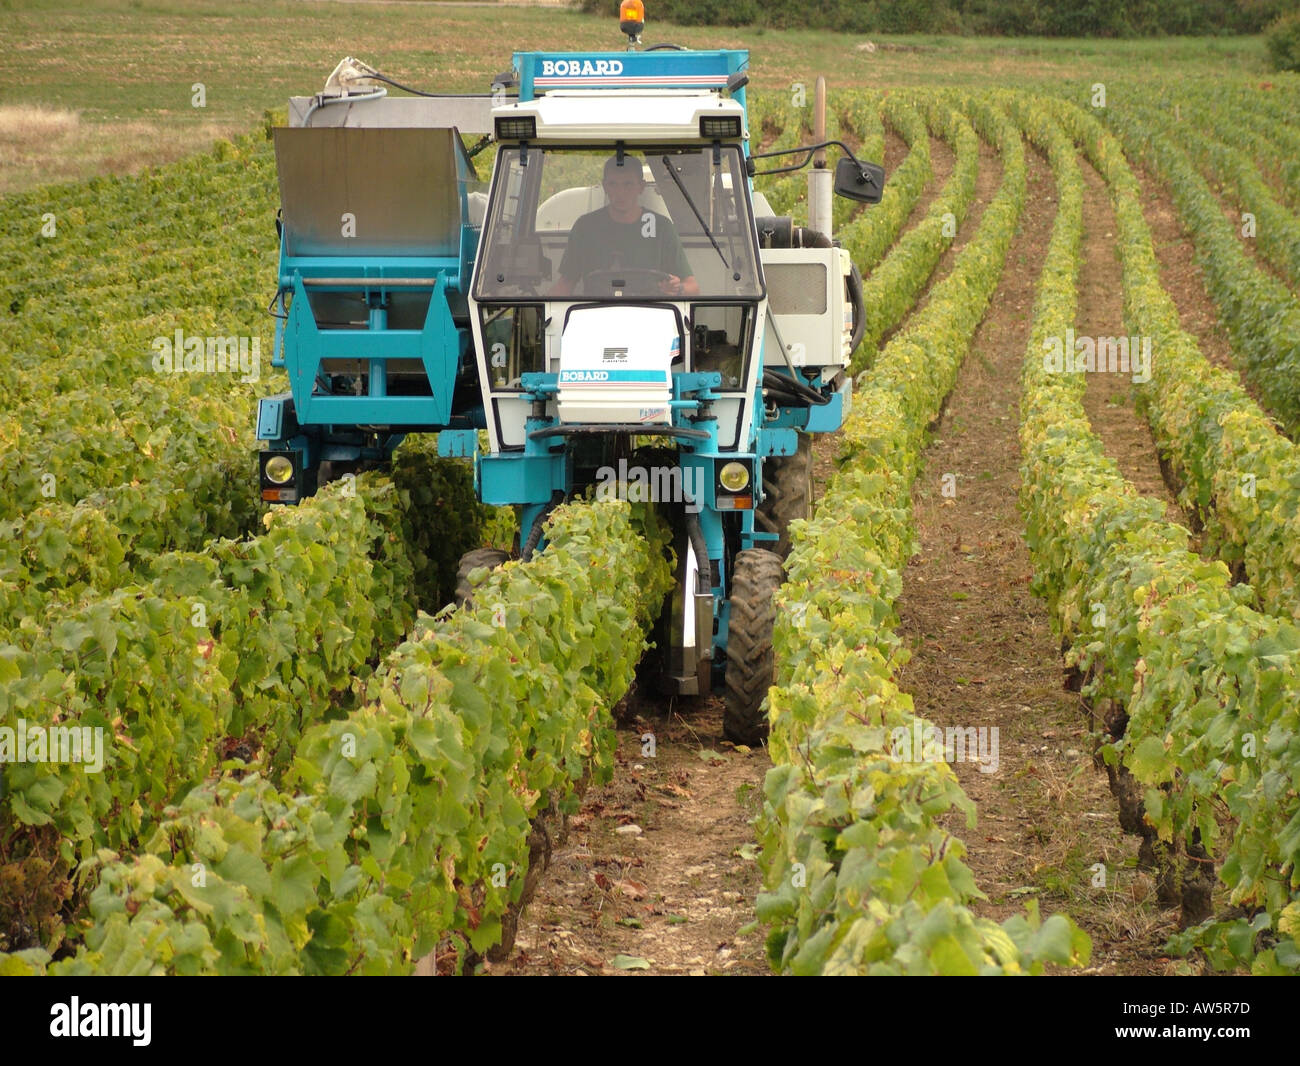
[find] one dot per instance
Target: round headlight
(279, 469)
(734, 476)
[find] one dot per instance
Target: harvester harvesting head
(617, 307)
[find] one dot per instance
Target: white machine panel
(616, 364)
(807, 297)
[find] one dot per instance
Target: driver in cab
(624, 236)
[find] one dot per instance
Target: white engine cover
(806, 295)
(616, 364)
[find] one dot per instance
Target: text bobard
(1098, 355)
(208, 355)
(922, 742)
(102, 1019)
(53, 744)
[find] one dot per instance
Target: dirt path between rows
(654, 876)
(1110, 398)
(988, 176)
(1183, 279)
(984, 654)
(942, 162)
(896, 150)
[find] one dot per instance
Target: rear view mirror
(864, 182)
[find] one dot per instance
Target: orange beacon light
(631, 18)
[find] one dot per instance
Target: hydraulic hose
(535, 534)
(859, 307)
(695, 533)
(791, 391)
(325, 101)
(803, 237)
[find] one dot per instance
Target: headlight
(734, 476)
(279, 469)
(715, 127)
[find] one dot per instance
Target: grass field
(112, 82)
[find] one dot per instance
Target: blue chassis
(323, 427)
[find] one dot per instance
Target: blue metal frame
(707, 69)
(325, 426)
(325, 423)
(438, 346)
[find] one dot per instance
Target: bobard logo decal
(583, 375)
(581, 67)
(102, 1019)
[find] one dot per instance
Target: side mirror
(864, 182)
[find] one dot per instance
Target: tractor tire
(471, 561)
(754, 582)
(787, 488)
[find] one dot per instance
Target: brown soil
(1109, 400)
(942, 161)
(1184, 280)
(652, 875)
(987, 178)
(896, 150)
(984, 653)
(1181, 277)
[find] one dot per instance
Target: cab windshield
(658, 223)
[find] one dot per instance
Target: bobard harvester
(617, 300)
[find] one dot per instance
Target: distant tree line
(1009, 18)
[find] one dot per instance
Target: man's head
(623, 183)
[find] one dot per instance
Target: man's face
(623, 188)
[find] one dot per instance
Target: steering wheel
(598, 282)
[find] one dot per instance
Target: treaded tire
(757, 576)
(787, 488)
(471, 561)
